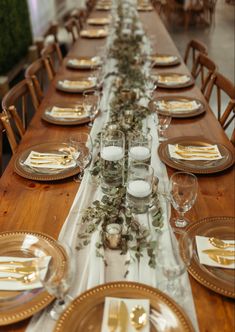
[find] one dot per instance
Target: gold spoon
(221, 260)
(138, 317)
(220, 243)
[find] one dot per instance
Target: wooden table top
(34, 206)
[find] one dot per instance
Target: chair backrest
(53, 53)
(23, 97)
(38, 73)
(226, 116)
(204, 68)
(194, 47)
(80, 15)
(73, 28)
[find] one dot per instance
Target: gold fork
(27, 279)
(113, 316)
(18, 269)
(221, 260)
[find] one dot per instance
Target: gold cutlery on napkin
(113, 316)
(25, 279)
(18, 269)
(123, 317)
(173, 78)
(221, 260)
(219, 252)
(221, 244)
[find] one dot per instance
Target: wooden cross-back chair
(40, 73)
(204, 68)
(73, 28)
(54, 56)
(23, 99)
(222, 84)
(193, 48)
(80, 15)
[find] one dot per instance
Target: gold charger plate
(219, 280)
(98, 21)
(94, 33)
(18, 305)
(183, 114)
(196, 166)
(43, 174)
(87, 310)
(155, 58)
(86, 83)
(83, 62)
(67, 121)
(175, 85)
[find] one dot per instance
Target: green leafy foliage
(15, 33)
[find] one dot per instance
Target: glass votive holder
(113, 235)
(112, 161)
(139, 187)
(139, 148)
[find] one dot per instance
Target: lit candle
(139, 188)
(113, 235)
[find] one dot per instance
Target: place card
(209, 152)
(212, 256)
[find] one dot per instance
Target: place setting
(164, 60)
(213, 260)
(94, 33)
(27, 260)
(76, 85)
(98, 21)
(173, 80)
(84, 62)
(50, 161)
(144, 5)
(127, 306)
(179, 106)
(195, 154)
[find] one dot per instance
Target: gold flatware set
(41, 159)
(221, 255)
(196, 151)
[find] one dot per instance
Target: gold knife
(123, 317)
(219, 252)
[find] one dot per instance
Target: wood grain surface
(35, 206)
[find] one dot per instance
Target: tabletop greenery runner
(127, 115)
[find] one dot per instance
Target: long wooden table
(40, 206)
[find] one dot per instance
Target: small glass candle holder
(139, 187)
(113, 235)
(139, 148)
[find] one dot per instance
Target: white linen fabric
(91, 270)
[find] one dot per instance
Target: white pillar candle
(139, 188)
(112, 153)
(139, 152)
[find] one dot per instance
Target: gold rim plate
(89, 85)
(196, 166)
(184, 114)
(18, 305)
(179, 85)
(43, 174)
(221, 281)
(175, 62)
(66, 121)
(87, 309)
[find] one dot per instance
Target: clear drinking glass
(139, 187)
(112, 160)
(58, 283)
(91, 103)
(82, 147)
(163, 121)
(183, 193)
(139, 148)
(174, 253)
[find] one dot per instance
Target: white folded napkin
(94, 33)
(164, 58)
(19, 285)
(68, 112)
(88, 83)
(202, 243)
(48, 160)
(196, 153)
(130, 303)
(95, 61)
(177, 106)
(173, 79)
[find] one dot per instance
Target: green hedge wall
(15, 33)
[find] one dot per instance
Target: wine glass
(91, 102)
(174, 253)
(58, 283)
(82, 147)
(163, 121)
(183, 193)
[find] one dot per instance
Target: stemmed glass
(91, 103)
(82, 148)
(183, 193)
(174, 253)
(58, 283)
(163, 121)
